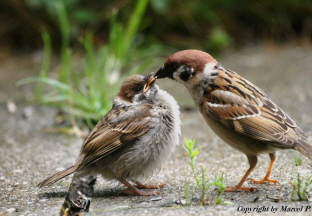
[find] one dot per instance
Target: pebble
(11, 106)
(16, 184)
(259, 199)
(310, 196)
(157, 198)
(183, 202)
(59, 169)
(17, 171)
(28, 112)
(11, 210)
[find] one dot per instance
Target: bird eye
(215, 67)
(138, 89)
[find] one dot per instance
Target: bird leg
(135, 191)
(267, 176)
(140, 185)
(252, 164)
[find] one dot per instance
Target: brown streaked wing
(245, 108)
(118, 127)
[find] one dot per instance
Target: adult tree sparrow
(132, 140)
(239, 112)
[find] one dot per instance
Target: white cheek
(210, 72)
(176, 76)
(177, 73)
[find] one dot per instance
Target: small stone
(183, 202)
(16, 184)
(11, 106)
(157, 198)
(17, 171)
(259, 199)
(275, 198)
(310, 196)
(11, 210)
(59, 169)
(28, 112)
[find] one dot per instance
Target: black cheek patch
(185, 74)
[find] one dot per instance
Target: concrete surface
(29, 153)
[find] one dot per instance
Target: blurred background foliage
(210, 25)
(115, 39)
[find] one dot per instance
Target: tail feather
(305, 148)
(57, 176)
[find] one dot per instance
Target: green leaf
(228, 203)
(52, 82)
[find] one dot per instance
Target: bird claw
(141, 193)
(264, 181)
(235, 189)
(147, 186)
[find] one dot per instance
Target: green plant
(297, 159)
(300, 189)
(45, 63)
(218, 182)
(187, 190)
(189, 147)
(200, 181)
(87, 93)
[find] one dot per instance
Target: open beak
(149, 83)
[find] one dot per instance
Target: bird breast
(159, 142)
(140, 159)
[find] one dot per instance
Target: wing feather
(119, 126)
(242, 106)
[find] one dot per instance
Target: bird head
(186, 65)
(138, 88)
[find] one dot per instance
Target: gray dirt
(29, 153)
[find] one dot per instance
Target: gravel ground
(29, 153)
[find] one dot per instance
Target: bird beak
(161, 73)
(164, 72)
(149, 83)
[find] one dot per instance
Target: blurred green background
(210, 25)
(98, 43)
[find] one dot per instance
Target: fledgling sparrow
(132, 140)
(239, 112)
